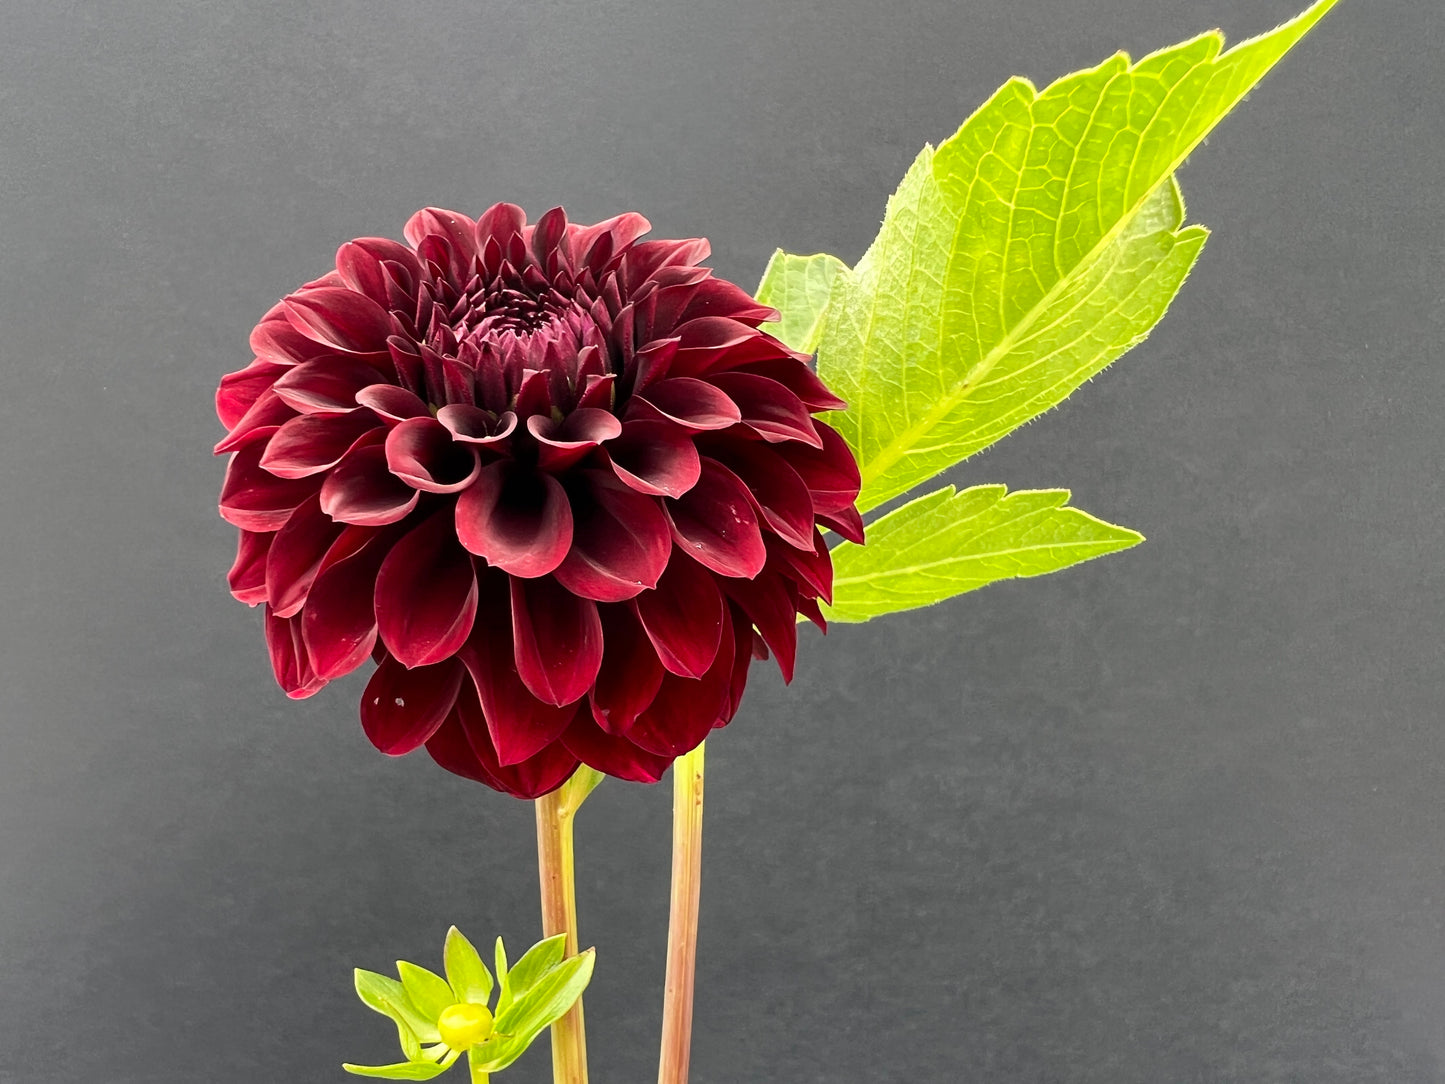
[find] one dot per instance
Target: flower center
(463, 1026)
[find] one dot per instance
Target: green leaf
(536, 962)
(469, 978)
(798, 287)
(946, 543)
(1031, 249)
(504, 991)
(428, 991)
(405, 1070)
(389, 997)
(541, 1006)
(579, 785)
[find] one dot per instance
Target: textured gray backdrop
(1172, 817)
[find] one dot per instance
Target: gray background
(1171, 817)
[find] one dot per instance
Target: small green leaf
(946, 543)
(504, 988)
(428, 991)
(536, 962)
(469, 978)
(544, 1004)
(405, 1070)
(1030, 250)
(579, 785)
(798, 287)
(389, 997)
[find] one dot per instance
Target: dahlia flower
(555, 481)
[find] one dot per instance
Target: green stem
(687, 780)
(559, 915)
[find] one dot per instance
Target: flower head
(554, 480)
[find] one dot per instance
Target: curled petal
(560, 444)
(462, 745)
(401, 708)
(313, 443)
(519, 520)
(799, 379)
(247, 578)
(518, 724)
(812, 570)
(341, 318)
(768, 408)
(685, 401)
(615, 756)
(686, 709)
(392, 403)
(240, 390)
(267, 414)
(771, 604)
(295, 556)
(361, 489)
(426, 594)
(557, 640)
(846, 521)
(656, 458)
(714, 523)
(275, 339)
(339, 621)
(620, 542)
(421, 452)
(473, 425)
(326, 385)
(288, 657)
(830, 472)
(684, 617)
(254, 499)
(631, 672)
(779, 493)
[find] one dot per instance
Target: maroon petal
(631, 671)
(518, 520)
(339, 621)
(426, 594)
(768, 408)
(421, 452)
(620, 542)
(718, 297)
(715, 524)
(361, 489)
(326, 385)
(685, 709)
(392, 403)
(658, 458)
(846, 521)
(770, 604)
(595, 245)
(560, 444)
(314, 442)
(557, 640)
(463, 745)
(812, 569)
(288, 657)
(362, 267)
(295, 556)
(685, 401)
(254, 499)
(341, 318)
(615, 756)
(402, 708)
(684, 617)
(267, 414)
(247, 578)
(473, 425)
(830, 472)
(240, 390)
(778, 491)
(800, 380)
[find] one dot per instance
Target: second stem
(687, 783)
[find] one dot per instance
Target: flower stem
(559, 915)
(687, 780)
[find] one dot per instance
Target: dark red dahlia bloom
(554, 480)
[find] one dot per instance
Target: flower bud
(463, 1026)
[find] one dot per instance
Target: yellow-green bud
(463, 1026)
